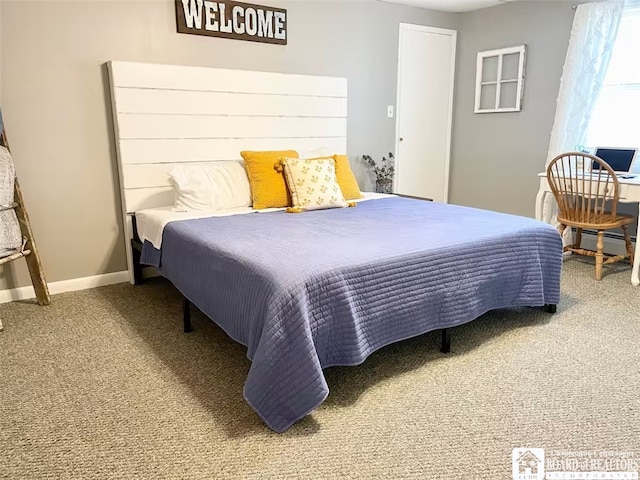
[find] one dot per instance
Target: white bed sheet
(150, 222)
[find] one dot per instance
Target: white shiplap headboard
(169, 114)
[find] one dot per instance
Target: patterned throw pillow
(344, 176)
(312, 184)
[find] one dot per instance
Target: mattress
(150, 222)
(307, 291)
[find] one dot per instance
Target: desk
(629, 193)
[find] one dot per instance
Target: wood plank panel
(134, 125)
(153, 174)
(175, 77)
(140, 151)
(136, 100)
(141, 198)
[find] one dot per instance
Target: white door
(426, 66)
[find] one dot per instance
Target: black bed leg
(186, 315)
(445, 346)
(137, 267)
(550, 308)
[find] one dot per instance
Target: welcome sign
(229, 19)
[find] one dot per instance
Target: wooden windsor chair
(584, 186)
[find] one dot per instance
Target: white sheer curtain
(594, 31)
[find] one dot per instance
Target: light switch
(390, 111)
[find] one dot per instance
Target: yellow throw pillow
(268, 187)
(346, 178)
(312, 183)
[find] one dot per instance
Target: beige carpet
(103, 384)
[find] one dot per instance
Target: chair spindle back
(582, 184)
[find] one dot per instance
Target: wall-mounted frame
(500, 80)
(232, 19)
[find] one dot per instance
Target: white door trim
(440, 31)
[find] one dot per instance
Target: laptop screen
(619, 159)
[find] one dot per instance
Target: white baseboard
(23, 293)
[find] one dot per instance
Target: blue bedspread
(322, 288)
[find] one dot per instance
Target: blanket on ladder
(10, 235)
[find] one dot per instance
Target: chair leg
(599, 254)
(561, 228)
(628, 244)
(578, 241)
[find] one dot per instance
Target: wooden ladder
(28, 250)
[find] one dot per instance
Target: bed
(307, 291)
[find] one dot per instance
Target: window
(616, 117)
(499, 77)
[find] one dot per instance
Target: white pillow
(210, 186)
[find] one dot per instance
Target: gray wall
(495, 156)
(56, 110)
